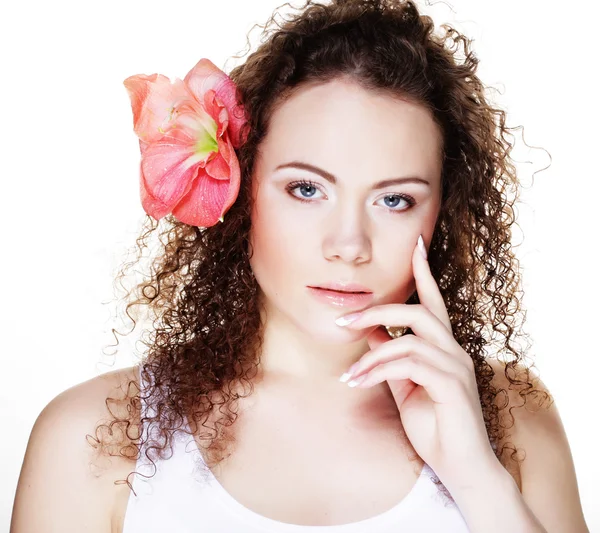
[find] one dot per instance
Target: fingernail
(345, 320)
(347, 375)
(422, 246)
(357, 381)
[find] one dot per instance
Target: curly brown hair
(206, 333)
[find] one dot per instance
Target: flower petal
(216, 108)
(214, 190)
(152, 100)
(201, 206)
(225, 167)
(167, 170)
(153, 206)
(205, 75)
(191, 114)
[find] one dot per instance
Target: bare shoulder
(62, 477)
(530, 410)
(520, 416)
(500, 381)
(547, 478)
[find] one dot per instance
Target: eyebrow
(332, 179)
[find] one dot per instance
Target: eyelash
(295, 184)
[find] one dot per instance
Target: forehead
(342, 126)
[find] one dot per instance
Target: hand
(432, 380)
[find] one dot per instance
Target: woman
(352, 164)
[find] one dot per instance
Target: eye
(305, 185)
(405, 197)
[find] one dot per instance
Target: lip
(343, 287)
(341, 299)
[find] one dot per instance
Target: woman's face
(342, 226)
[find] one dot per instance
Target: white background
(70, 204)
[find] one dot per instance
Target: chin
(333, 334)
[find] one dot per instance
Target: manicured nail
(345, 320)
(356, 381)
(347, 375)
(422, 246)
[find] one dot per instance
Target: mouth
(348, 299)
(343, 287)
(341, 292)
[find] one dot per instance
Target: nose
(347, 237)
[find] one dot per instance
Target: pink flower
(187, 133)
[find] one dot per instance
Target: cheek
(401, 292)
(278, 245)
(279, 230)
(395, 277)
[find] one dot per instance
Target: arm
(494, 504)
(549, 501)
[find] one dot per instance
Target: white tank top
(179, 498)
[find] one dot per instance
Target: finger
(416, 316)
(427, 288)
(434, 380)
(409, 345)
